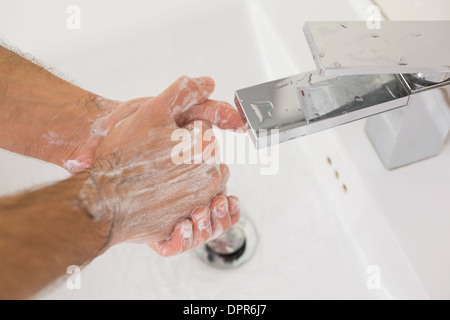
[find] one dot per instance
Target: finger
(201, 226)
(185, 93)
(225, 174)
(220, 217)
(180, 241)
(217, 113)
(234, 209)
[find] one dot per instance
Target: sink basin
(331, 222)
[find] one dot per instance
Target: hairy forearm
(41, 115)
(42, 233)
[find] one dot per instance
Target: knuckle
(183, 78)
(221, 201)
(192, 84)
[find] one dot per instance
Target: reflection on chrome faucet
(359, 74)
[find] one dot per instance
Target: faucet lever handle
(397, 47)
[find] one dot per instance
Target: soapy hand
(136, 184)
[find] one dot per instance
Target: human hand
(204, 224)
(135, 184)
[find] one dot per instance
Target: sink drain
(233, 248)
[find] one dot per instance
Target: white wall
(415, 9)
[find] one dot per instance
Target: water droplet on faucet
(403, 61)
(263, 109)
(283, 84)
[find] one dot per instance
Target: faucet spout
(308, 103)
(360, 73)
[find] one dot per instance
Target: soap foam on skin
(187, 231)
(189, 100)
(98, 130)
(53, 138)
(146, 195)
(75, 165)
(137, 194)
(204, 223)
(100, 127)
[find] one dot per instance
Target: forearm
(42, 233)
(41, 115)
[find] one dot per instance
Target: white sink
(320, 236)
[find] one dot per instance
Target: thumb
(217, 113)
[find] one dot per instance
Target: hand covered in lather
(146, 195)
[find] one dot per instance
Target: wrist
(91, 120)
(91, 200)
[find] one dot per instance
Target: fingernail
(221, 208)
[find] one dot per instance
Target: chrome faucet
(400, 72)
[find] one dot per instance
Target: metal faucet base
(414, 133)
